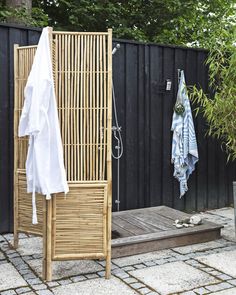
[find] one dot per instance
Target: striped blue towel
(184, 144)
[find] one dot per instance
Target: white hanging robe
(45, 169)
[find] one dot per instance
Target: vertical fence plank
(202, 176)
(190, 77)
(156, 125)
(167, 169)
(131, 126)
(179, 63)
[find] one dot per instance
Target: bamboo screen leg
(109, 163)
(16, 238)
(47, 240)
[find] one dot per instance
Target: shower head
(116, 48)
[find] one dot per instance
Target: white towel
(184, 144)
(45, 169)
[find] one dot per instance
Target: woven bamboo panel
(79, 222)
(25, 208)
(25, 56)
(81, 84)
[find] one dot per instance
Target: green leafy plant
(21, 15)
(219, 108)
(188, 22)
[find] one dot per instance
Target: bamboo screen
(78, 226)
(23, 60)
(81, 83)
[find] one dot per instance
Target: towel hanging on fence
(45, 169)
(184, 145)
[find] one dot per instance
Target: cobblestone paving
(195, 269)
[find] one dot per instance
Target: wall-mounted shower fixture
(116, 130)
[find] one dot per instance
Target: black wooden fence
(144, 111)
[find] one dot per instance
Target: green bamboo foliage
(219, 108)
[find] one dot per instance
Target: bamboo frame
(78, 226)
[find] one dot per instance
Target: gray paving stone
(22, 266)
(64, 282)
(92, 276)
(8, 236)
(144, 290)
(198, 247)
(224, 212)
(34, 281)
(13, 255)
(226, 292)
(138, 266)
(218, 287)
(141, 258)
(39, 287)
(9, 292)
(137, 285)
(23, 290)
(1, 238)
(17, 261)
(24, 271)
(188, 293)
(52, 284)
(2, 256)
(44, 292)
(233, 282)
(10, 278)
(128, 268)
(30, 293)
(160, 261)
(213, 272)
(102, 286)
(29, 275)
(78, 279)
(28, 257)
(122, 275)
(224, 262)
(130, 280)
(201, 291)
(150, 263)
(101, 273)
(173, 277)
(171, 259)
(224, 277)
(62, 269)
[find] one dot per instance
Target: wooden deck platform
(150, 229)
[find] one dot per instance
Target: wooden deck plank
(154, 218)
(147, 228)
(133, 229)
(121, 231)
